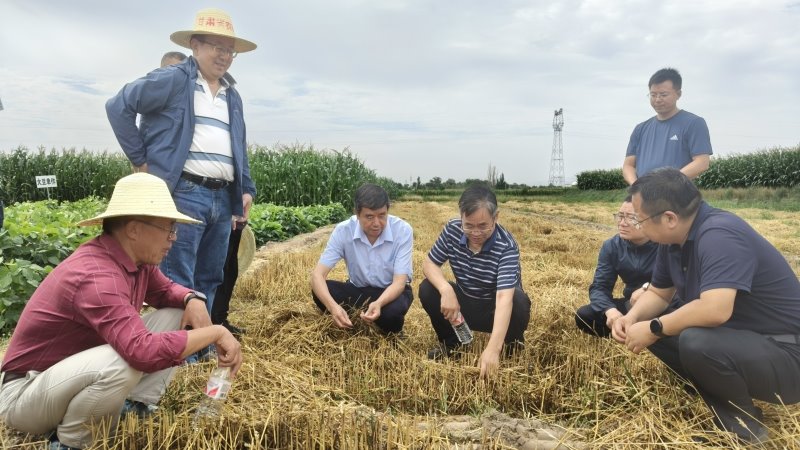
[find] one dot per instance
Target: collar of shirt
(115, 249)
(486, 245)
(224, 83)
(385, 236)
(702, 214)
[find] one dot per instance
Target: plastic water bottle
(462, 330)
(217, 387)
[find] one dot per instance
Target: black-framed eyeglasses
(638, 223)
(172, 232)
(220, 51)
(629, 219)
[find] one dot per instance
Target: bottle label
(217, 388)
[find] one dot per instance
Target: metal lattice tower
(557, 158)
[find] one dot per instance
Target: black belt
(211, 183)
(11, 376)
(785, 338)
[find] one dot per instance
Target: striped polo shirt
(479, 275)
(210, 154)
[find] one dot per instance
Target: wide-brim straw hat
(140, 194)
(214, 22)
(247, 249)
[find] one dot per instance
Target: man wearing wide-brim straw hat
(81, 347)
(192, 135)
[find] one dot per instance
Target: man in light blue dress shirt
(376, 247)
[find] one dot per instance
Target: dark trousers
(353, 298)
(479, 314)
(592, 322)
(222, 299)
(730, 368)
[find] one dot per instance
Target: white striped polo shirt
(210, 154)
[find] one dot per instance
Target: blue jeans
(197, 257)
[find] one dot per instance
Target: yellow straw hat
(140, 194)
(215, 22)
(246, 250)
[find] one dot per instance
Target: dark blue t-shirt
(723, 251)
(668, 143)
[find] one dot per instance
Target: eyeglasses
(173, 232)
(469, 229)
(220, 51)
(659, 95)
(628, 219)
(638, 223)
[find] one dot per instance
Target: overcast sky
(423, 88)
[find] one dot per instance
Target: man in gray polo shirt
(671, 138)
(736, 334)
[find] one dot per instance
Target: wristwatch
(657, 328)
(646, 286)
(197, 295)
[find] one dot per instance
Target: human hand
(142, 168)
(372, 313)
(489, 363)
(229, 352)
(611, 316)
(639, 336)
(340, 317)
(636, 295)
(620, 328)
(450, 307)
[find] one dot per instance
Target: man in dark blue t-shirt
(671, 138)
(736, 334)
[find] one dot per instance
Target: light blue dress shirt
(368, 264)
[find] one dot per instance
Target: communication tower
(557, 158)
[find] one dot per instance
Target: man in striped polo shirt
(192, 135)
(484, 258)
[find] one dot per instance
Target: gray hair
(477, 197)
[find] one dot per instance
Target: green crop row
(776, 167)
(285, 175)
(299, 176)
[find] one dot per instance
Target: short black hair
(370, 196)
(476, 197)
(667, 74)
(113, 223)
(172, 55)
(667, 189)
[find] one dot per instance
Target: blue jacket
(620, 258)
(165, 99)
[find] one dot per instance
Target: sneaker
(141, 410)
(443, 350)
(235, 331)
(55, 444)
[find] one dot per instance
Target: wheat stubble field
(305, 384)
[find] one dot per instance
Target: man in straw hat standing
(193, 136)
(81, 347)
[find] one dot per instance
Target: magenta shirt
(93, 298)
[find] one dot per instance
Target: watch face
(655, 327)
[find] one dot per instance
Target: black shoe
(442, 351)
(235, 331)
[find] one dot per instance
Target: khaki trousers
(84, 389)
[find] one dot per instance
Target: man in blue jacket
(192, 135)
